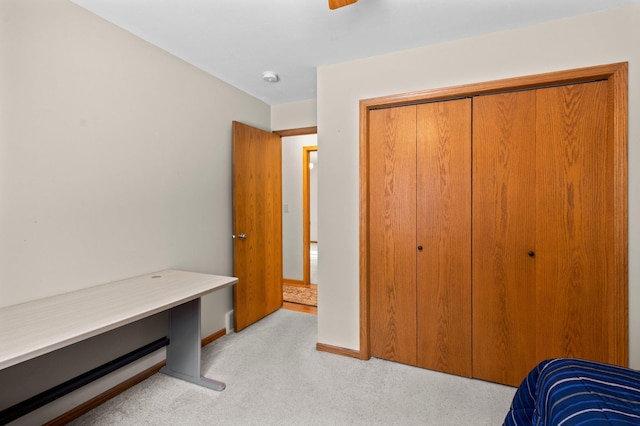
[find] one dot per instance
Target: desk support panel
(183, 352)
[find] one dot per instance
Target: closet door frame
(616, 77)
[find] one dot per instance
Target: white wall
(294, 115)
(595, 39)
(115, 157)
(292, 204)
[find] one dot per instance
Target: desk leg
(183, 352)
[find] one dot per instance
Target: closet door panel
(392, 239)
(444, 233)
(503, 235)
(575, 209)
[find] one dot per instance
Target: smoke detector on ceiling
(270, 77)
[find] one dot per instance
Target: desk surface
(30, 329)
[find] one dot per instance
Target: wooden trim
(297, 132)
(96, 401)
(289, 281)
(105, 396)
(336, 350)
(600, 72)
(615, 73)
(365, 343)
(306, 213)
(619, 91)
(296, 283)
(215, 336)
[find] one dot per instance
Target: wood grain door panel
(575, 207)
(392, 239)
(257, 201)
(444, 233)
(504, 179)
(549, 223)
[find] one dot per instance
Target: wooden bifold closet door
(504, 173)
(496, 228)
(420, 244)
(542, 234)
(393, 240)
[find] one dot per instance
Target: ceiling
(237, 40)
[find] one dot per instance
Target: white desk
(34, 328)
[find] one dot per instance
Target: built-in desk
(35, 328)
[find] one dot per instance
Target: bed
(567, 391)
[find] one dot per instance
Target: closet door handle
(532, 254)
(419, 248)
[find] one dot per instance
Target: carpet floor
(275, 376)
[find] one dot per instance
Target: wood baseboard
(338, 350)
(212, 337)
(104, 397)
(89, 405)
(290, 281)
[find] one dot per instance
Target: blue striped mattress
(568, 391)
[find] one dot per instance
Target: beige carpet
(301, 295)
(276, 377)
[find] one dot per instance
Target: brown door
(444, 236)
(420, 239)
(257, 223)
(543, 234)
(392, 239)
(576, 294)
(504, 179)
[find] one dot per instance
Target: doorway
(299, 230)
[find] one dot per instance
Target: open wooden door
(257, 223)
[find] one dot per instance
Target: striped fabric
(573, 392)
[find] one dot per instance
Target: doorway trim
(300, 131)
(615, 74)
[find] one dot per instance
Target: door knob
(531, 254)
(242, 236)
(419, 248)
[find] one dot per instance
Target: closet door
(444, 236)
(504, 188)
(575, 239)
(543, 233)
(392, 239)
